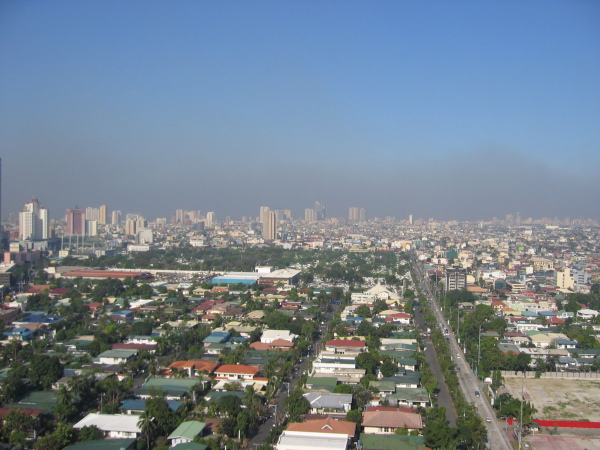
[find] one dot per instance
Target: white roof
(269, 336)
(283, 273)
(111, 422)
(290, 440)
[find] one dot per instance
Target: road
(497, 438)
(443, 399)
(279, 412)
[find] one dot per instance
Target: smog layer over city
(329, 225)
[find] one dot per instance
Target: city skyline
(451, 111)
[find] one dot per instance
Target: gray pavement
(497, 438)
(443, 399)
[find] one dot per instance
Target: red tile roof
(237, 368)
(328, 425)
(392, 419)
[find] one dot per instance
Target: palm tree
(147, 426)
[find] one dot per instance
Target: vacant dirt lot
(559, 399)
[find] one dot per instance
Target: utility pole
(478, 352)
(521, 424)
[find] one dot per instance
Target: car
(487, 419)
(477, 394)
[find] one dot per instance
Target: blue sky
(451, 110)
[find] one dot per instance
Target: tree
(141, 329)
(389, 368)
(497, 379)
(147, 425)
(363, 311)
(90, 433)
(437, 433)
(343, 389)
(366, 361)
(45, 370)
(297, 404)
(355, 416)
(16, 426)
(230, 404)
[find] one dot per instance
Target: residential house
(235, 372)
(186, 432)
(325, 402)
(387, 422)
(114, 426)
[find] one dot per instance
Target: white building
(114, 426)
(33, 222)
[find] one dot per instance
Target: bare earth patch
(559, 399)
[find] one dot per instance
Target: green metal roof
(104, 444)
(391, 442)
(188, 430)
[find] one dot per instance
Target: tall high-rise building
(102, 215)
(130, 225)
(310, 215)
(75, 222)
(92, 213)
(91, 227)
(353, 214)
(211, 218)
(362, 215)
(262, 213)
(33, 222)
(320, 211)
(115, 218)
(410, 219)
(269, 232)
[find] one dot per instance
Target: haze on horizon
(452, 110)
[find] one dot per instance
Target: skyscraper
(320, 211)
(353, 214)
(262, 213)
(33, 222)
(102, 218)
(75, 222)
(269, 232)
(211, 218)
(310, 215)
(115, 218)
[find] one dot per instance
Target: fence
(560, 423)
(571, 375)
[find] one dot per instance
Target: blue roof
(140, 405)
(217, 337)
(21, 331)
(37, 318)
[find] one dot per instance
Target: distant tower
(362, 215)
(410, 219)
(353, 214)
(269, 232)
(310, 215)
(320, 211)
(33, 222)
(75, 222)
(211, 218)
(263, 213)
(115, 218)
(102, 215)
